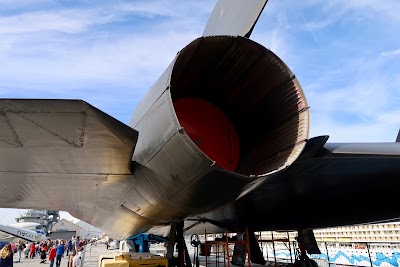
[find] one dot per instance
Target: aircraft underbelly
(176, 175)
(319, 193)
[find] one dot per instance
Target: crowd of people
(51, 250)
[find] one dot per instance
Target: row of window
(385, 232)
(367, 226)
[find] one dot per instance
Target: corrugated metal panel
(66, 225)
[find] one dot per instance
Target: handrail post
(327, 255)
(369, 255)
(290, 248)
(273, 247)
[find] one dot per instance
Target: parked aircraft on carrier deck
(226, 111)
(23, 231)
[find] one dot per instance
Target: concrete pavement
(91, 259)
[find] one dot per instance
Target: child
(43, 251)
(52, 255)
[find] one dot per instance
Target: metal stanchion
(327, 255)
(369, 255)
(290, 248)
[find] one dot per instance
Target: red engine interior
(210, 129)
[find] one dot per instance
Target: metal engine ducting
(225, 113)
(256, 91)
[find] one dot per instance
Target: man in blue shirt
(59, 253)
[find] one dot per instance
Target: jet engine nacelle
(226, 113)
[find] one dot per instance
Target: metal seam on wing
(10, 126)
(47, 130)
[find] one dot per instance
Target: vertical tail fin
(398, 137)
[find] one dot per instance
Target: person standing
(43, 252)
(74, 250)
(20, 249)
(69, 246)
(26, 250)
(32, 250)
(6, 256)
(59, 253)
(52, 255)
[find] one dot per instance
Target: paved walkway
(91, 258)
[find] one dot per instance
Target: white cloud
(7, 216)
(124, 60)
(319, 15)
(80, 53)
(365, 109)
(67, 21)
(8, 5)
(171, 8)
(387, 9)
(80, 19)
(351, 85)
(390, 53)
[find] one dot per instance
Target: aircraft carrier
(46, 218)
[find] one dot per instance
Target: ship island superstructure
(46, 218)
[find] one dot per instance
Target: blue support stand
(142, 241)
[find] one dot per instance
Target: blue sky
(345, 53)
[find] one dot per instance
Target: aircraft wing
(63, 155)
(330, 185)
(26, 234)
